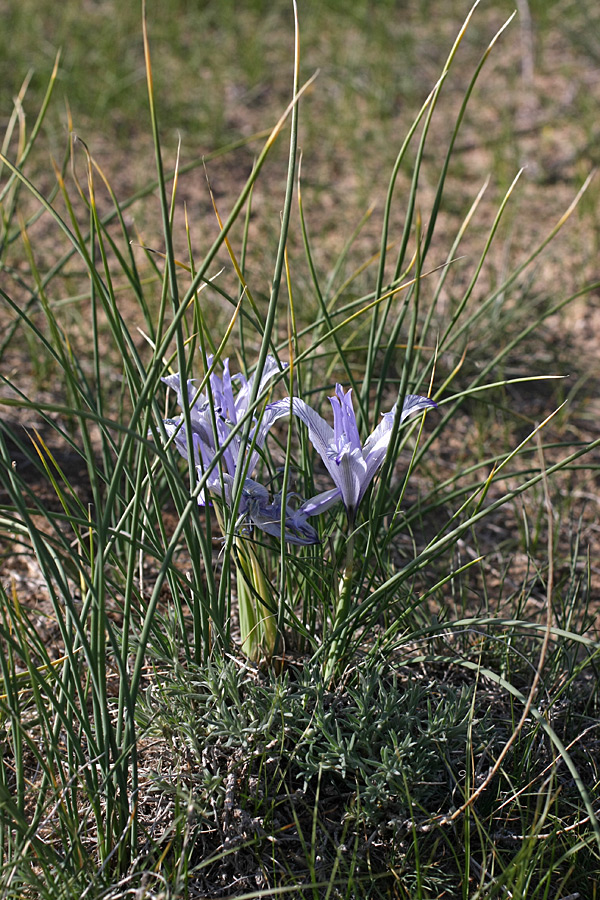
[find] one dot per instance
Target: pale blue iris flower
(212, 419)
(208, 433)
(351, 465)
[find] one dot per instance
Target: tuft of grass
(290, 771)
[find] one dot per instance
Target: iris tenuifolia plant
(113, 614)
(352, 467)
(224, 463)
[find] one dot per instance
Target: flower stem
(258, 619)
(335, 655)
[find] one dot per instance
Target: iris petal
(414, 403)
(351, 475)
(318, 504)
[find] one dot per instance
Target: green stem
(335, 655)
(258, 619)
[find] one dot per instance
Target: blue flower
(212, 418)
(351, 465)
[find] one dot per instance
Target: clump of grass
(380, 747)
(282, 772)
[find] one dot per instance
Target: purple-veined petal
(350, 477)
(380, 436)
(344, 420)
(230, 405)
(242, 400)
(320, 434)
(413, 403)
(318, 504)
(376, 446)
(297, 529)
(215, 479)
(271, 414)
(378, 441)
(319, 431)
(271, 369)
(177, 427)
(196, 402)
